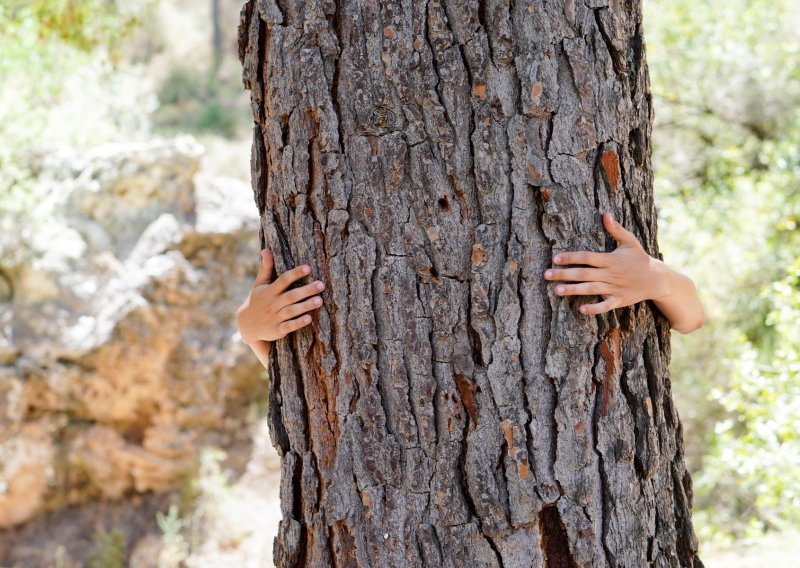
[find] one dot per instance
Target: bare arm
(626, 276)
(261, 349)
(680, 304)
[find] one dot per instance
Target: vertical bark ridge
(427, 158)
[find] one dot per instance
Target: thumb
(264, 275)
(622, 235)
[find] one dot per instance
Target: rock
(122, 188)
(26, 462)
(116, 466)
(118, 342)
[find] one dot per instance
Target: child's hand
(623, 277)
(270, 311)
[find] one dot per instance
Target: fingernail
(320, 285)
(306, 269)
(318, 301)
(560, 290)
(557, 258)
(582, 309)
(307, 319)
(548, 273)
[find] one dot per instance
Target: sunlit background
(132, 424)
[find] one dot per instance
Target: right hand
(271, 312)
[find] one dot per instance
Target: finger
(296, 294)
(264, 275)
(300, 308)
(599, 308)
(285, 280)
(616, 230)
(291, 325)
(574, 274)
(582, 289)
(581, 257)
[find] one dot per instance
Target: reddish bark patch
(343, 545)
(478, 255)
(610, 162)
(546, 193)
(467, 390)
(536, 93)
(611, 353)
(479, 90)
(505, 425)
(320, 395)
(534, 173)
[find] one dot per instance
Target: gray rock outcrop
(119, 355)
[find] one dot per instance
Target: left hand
(623, 277)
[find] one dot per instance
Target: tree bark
(427, 159)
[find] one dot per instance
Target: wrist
(663, 280)
(243, 328)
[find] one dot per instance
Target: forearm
(680, 304)
(261, 349)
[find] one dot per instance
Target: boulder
(118, 343)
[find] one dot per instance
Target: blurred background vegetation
(726, 86)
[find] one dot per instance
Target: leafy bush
(108, 552)
(196, 101)
(727, 158)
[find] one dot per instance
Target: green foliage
(108, 552)
(83, 24)
(755, 460)
(176, 547)
(727, 154)
(202, 496)
(60, 87)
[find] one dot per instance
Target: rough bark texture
(427, 159)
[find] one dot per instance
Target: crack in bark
(616, 57)
(600, 388)
(482, 20)
(412, 403)
(334, 85)
(497, 554)
(555, 544)
(435, 68)
(379, 386)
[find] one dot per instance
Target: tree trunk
(445, 408)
